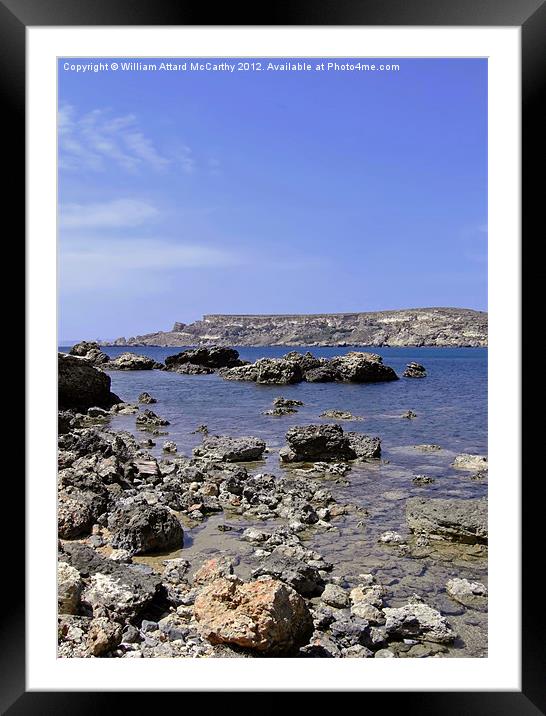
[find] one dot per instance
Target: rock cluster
(415, 370)
(294, 367)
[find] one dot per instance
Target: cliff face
(408, 327)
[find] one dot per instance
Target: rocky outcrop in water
(405, 327)
(91, 351)
(312, 443)
(354, 367)
(132, 361)
(456, 520)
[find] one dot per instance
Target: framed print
(274, 328)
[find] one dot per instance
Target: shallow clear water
(451, 407)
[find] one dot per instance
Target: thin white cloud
(111, 214)
(90, 263)
(96, 139)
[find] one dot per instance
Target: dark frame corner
(16, 15)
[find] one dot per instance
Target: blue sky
(184, 193)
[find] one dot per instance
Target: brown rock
(266, 616)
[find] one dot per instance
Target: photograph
(272, 333)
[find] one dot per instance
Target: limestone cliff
(407, 327)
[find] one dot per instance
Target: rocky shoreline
(123, 513)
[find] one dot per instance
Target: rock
(470, 594)
(313, 443)
(125, 590)
(368, 612)
(323, 374)
(279, 412)
(302, 577)
(245, 372)
(277, 371)
(213, 569)
(365, 447)
(357, 367)
(281, 402)
(415, 370)
(367, 594)
(96, 412)
(409, 415)
(145, 528)
(340, 415)
(147, 418)
(335, 596)
(90, 350)
(422, 480)
(456, 520)
(103, 636)
(227, 449)
(210, 357)
(69, 588)
(169, 446)
(470, 462)
(391, 537)
(81, 386)
(192, 369)
(266, 616)
(417, 620)
(146, 398)
(427, 448)
(384, 654)
(132, 361)
(74, 517)
(120, 555)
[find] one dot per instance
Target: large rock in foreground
(316, 442)
(454, 520)
(265, 616)
(226, 449)
(81, 386)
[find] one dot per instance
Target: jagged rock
(357, 367)
(267, 616)
(69, 588)
(211, 357)
(147, 418)
(213, 569)
(103, 636)
(312, 443)
(306, 361)
(417, 620)
(74, 517)
(277, 371)
(456, 520)
(227, 449)
(90, 350)
(302, 577)
(145, 528)
(326, 373)
(281, 402)
(169, 446)
(365, 447)
(415, 370)
(279, 412)
(409, 415)
(335, 596)
(470, 462)
(192, 369)
(146, 398)
(470, 594)
(122, 589)
(132, 361)
(81, 386)
(422, 480)
(244, 372)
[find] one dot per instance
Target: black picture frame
(530, 15)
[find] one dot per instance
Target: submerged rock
(147, 418)
(415, 370)
(227, 449)
(457, 520)
(470, 462)
(470, 594)
(340, 415)
(266, 616)
(81, 386)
